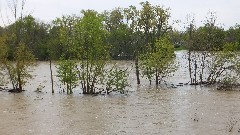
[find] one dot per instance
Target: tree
(3, 56)
(54, 45)
(93, 50)
(233, 35)
(67, 73)
(160, 62)
(119, 36)
(146, 20)
(19, 70)
(209, 37)
(137, 37)
(68, 35)
(189, 39)
(153, 20)
(84, 39)
(67, 67)
(209, 40)
(54, 50)
(161, 25)
(224, 65)
(33, 34)
(116, 80)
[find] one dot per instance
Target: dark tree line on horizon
(128, 31)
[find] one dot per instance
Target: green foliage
(54, 45)
(3, 49)
(31, 32)
(122, 33)
(3, 57)
(92, 37)
(90, 75)
(154, 21)
(160, 61)
(68, 74)
(146, 20)
(177, 39)
(215, 67)
(224, 64)
(84, 39)
(214, 60)
(233, 35)
(231, 47)
(67, 33)
(119, 34)
(209, 37)
(117, 80)
(93, 50)
(19, 70)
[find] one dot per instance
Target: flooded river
(186, 110)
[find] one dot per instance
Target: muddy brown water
(146, 109)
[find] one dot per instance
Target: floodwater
(186, 110)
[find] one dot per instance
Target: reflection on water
(145, 110)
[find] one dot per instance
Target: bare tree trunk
(195, 72)
(203, 66)
(157, 79)
(137, 69)
(189, 66)
(51, 75)
(20, 89)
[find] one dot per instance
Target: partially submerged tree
(116, 80)
(94, 52)
(13, 45)
(19, 70)
(137, 37)
(224, 66)
(3, 56)
(205, 45)
(67, 74)
(160, 62)
(84, 40)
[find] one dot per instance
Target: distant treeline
(126, 30)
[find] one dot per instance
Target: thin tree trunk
(189, 66)
(189, 53)
(51, 75)
(203, 66)
(156, 74)
(20, 89)
(195, 72)
(137, 69)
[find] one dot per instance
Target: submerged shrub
(67, 74)
(116, 80)
(19, 70)
(159, 61)
(215, 67)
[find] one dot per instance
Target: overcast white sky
(228, 11)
